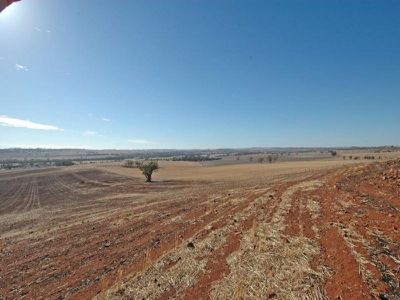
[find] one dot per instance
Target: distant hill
(87, 154)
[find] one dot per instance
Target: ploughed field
(328, 233)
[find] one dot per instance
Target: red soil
(63, 235)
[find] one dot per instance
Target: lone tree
(148, 168)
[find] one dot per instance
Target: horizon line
(217, 148)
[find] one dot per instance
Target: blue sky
(199, 74)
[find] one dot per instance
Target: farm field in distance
(327, 228)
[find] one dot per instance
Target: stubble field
(296, 230)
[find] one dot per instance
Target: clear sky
(199, 74)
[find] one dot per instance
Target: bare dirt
(315, 230)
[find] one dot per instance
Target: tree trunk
(148, 177)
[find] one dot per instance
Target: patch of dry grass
(354, 240)
(272, 265)
(188, 264)
(351, 238)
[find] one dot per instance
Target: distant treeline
(94, 155)
(64, 163)
(195, 158)
(17, 164)
(362, 157)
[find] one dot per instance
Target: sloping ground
(335, 237)
(329, 235)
